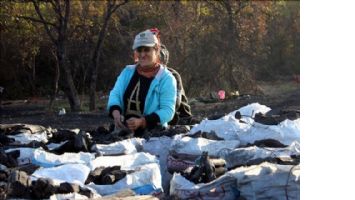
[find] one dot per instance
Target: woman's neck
(148, 68)
(148, 71)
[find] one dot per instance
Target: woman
(144, 93)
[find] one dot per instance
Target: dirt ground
(276, 96)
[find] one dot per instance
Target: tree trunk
(72, 93)
(94, 69)
(232, 46)
(94, 63)
(92, 92)
(55, 83)
(59, 42)
(34, 71)
(97, 51)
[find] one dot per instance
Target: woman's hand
(134, 123)
(117, 118)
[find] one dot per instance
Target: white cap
(146, 39)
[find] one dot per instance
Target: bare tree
(111, 7)
(236, 54)
(57, 32)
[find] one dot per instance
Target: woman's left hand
(134, 123)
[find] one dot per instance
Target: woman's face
(147, 56)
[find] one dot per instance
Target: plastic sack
(195, 146)
(286, 132)
(25, 152)
(250, 110)
(71, 173)
(26, 155)
(26, 133)
(46, 159)
(228, 127)
(74, 196)
(25, 138)
(128, 146)
(126, 162)
(254, 182)
(147, 189)
(159, 146)
(225, 188)
(69, 196)
(25, 128)
(247, 131)
(148, 174)
(256, 155)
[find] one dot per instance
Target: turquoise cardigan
(161, 95)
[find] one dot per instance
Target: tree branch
(59, 7)
(114, 7)
(36, 20)
(56, 7)
(212, 3)
(66, 15)
(35, 4)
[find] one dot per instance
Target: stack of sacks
(264, 181)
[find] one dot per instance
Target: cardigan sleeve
(167, 99)
(116, 94)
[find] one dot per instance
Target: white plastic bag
(250, 110)
(30, 133)
(25, 152)
(159, 146)
(248, 131)
(225, 128)
(128, 146)
(252, 154)
(268, 181)
(71, 173)
(28, 128)
(195, 146)
(26, 155)
(46, 159)
(69, 196)
(148, 174)
(74, 196)
(225, 188)
(286, 132)
(25, 138)
(228, 127)
(126, 162)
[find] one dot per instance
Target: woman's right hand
(117, 118)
